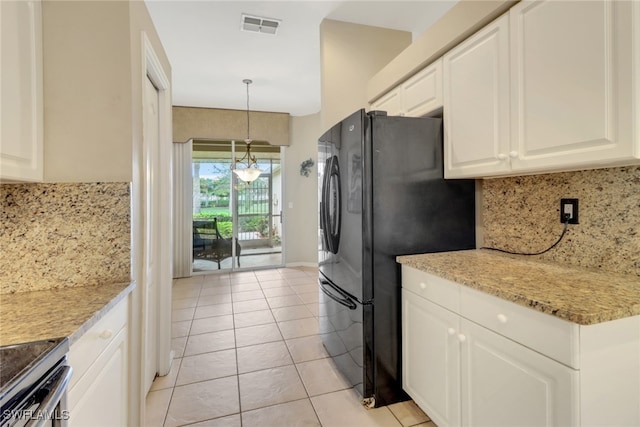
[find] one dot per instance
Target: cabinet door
(390, 102)
(422, 93)
(100, 363)
(571, 85)
(507, 384)
(100, 398)
(476, 104)
(21, 109)
(430, 358)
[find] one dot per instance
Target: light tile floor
(248, 353)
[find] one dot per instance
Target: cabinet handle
(513, 154)
(502, 318)
(423, 285)
(502, 156)
(451, 331)
(461, 338)
(106, 334)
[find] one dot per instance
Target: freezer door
(341, 321)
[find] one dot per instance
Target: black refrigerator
(381, 194)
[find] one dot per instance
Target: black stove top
(20, 362)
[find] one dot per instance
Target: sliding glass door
(236, 225)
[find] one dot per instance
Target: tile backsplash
(523, 214)
(64, 235)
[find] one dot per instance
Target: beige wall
(93, 88)
(458, 23)
(214, 123)
(350, 54)
(87, 91)
(301, 220)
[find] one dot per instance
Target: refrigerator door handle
(333, 204)
(323, 208)
(342, 299)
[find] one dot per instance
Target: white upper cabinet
(417, 97)
(21, 110)
(390, 102)
(476, 100)
(569, 102)
(570, 84)
(422, 93)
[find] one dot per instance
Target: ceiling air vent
(259, 25)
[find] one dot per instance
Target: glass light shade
(248, 174)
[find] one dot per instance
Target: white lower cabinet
(472, 359)
(508, 384)
(431, 350)
(98, 393)
(461, 373)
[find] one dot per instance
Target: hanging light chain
(247, 82)
(248, 174)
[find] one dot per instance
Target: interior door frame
(155, 72)
(150, 227)
(151, 68)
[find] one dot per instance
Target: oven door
(43, 404)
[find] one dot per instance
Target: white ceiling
(210, 55)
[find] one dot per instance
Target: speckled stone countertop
(56, 313)
(578, 295)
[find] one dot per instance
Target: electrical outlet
(569, 207)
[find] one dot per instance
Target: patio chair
(209, 245)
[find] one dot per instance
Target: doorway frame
(151, 68)
(183, 212)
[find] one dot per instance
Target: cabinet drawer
(88, 348)
(434, 288)
(551, 336)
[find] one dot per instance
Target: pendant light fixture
(251, 172)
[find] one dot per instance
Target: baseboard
(302, 264)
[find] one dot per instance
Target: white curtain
(182, 209)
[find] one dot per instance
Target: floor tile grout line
(308, 397)
(299, 374)
(296, 368)
(307, 391)
(173, 388)
(235, 348)
(166, 411)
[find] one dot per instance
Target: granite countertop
(578, 295)
(56, 313)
